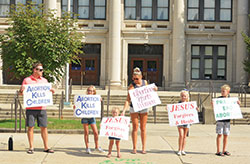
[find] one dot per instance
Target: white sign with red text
(144, 97)
(182, 113)
(36, 95)
(117, 127)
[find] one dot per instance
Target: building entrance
(87, 70)
(149, 59)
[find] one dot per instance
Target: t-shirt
(32, 80)
(223, 120)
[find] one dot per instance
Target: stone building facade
(176, 43)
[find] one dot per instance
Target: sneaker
(183, 153)
(88, 151)
(100, 150)
(179, 153)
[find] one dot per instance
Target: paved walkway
(161, 146)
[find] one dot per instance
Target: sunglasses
(136, 79)
(90, 90)
(41, 70)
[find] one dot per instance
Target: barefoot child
(115, 113)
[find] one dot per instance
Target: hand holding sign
(144, 97)
(226, 108)
(87, 106)
(182, 113)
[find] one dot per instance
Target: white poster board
(226, 108)
(37, 95)
(115, 127)
(144, 97)
(87, 106)
(182, 113)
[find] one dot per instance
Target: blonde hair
(226, 87)
(185, 92)
(91, 86)
(116, 109)
(137, 71)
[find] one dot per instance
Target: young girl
(115, 112)
(91, 90)
(183, 129)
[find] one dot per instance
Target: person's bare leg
(111, 142)
(95, 132)
(30, 135)
(184, 138)
(181, 133)
(134, 118)
(44, 134)
(118, 148)
(225, 137)
(218, 142)
(143, 122)
(86, 135)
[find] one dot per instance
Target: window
(4, 8)
(146, 9)
(87, 9)
(5, 5)
(209, 10)
(208, 62)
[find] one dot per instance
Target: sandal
(219, 154)
(30, 151)
(144, 152)
(49, 151)
(133, 152)
(119, 156)
(227, 153)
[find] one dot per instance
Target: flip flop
(144, 152)
(30, 151)
(119, 156)
(49, 151)
(227, 153)
(219, 154)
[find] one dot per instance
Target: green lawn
(52, 124)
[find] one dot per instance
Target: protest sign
(87, 106)
(36, 95)
(182, 113)
(115, 127)
(226, 108)
(144, 97)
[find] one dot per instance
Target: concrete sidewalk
(162, 143)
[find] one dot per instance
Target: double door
(86, 72)
(150, 68)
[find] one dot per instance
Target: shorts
(184, 126)
(39, 115)
(223, 128)
(114, 138)
(88, 121)
(131, 110)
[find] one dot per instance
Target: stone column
(178, 45)
(115, 43)
(51, 4)
(241, 51)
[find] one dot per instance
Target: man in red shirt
(36, 113)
